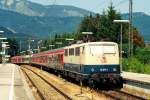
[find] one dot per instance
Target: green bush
(134, 65)
(143, 54)
(147, 69)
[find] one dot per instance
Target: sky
(99, 5)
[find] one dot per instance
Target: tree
(104, 28)
(14, 47)
(102, 25)
(138, 39)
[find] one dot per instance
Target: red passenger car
(53, 59)
(17, 59)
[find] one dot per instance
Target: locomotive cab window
(109, 49)
(100, 49)
(95, 49)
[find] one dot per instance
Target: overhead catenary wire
(99, 5)
(121, 2)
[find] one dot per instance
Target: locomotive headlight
(92, 70)
(114, 69)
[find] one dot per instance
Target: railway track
(144, 85)
(114, 94)
(45, 89)
(120, 95)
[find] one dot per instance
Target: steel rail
(39, 92)
(144, 85)
(59, 91)
(120, 95)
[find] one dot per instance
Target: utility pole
(29, 46)
(4, 51)
(20, 48)
(38, 44)
(121, 32)
(130, 29)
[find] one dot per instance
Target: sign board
(58, 42)
(7, 56)
(3, 45)
(2, 53)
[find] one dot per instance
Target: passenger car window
(77, 51)
(71, 51)
(66, 52)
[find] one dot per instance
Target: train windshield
(102, 49)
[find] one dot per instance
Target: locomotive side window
(71, 51)
(77, 51)
(66, 52)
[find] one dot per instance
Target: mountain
(38, 26)
(25, 17)
(19, 37)
(31, 18)
(9, 33)
(33, 9)
(142, 22)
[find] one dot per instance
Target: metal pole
(121, 49)
(38, 48)
(81, 85)
(131, 1)
(129, 39)
(3, 54)
(130, 30)
(29, 46)
(20, 46)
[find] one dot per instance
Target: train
(97, 63)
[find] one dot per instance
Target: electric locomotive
(97, 62)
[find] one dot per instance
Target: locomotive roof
(46, 52)
(75, 45)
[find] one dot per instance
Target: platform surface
(11, 83)
(136, 76)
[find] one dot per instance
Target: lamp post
(121, 22)
(29, 45)
(130, 28)
(4, 46)
(38, 44)
(59, 43)
(87, 35)
(1, 31)
(51, 47)
(69, 39)
(22, 52)
(43, 48)
(35, 50)
(29, 50)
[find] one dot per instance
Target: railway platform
(136, 76)
(12, 84)
(137, 84)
